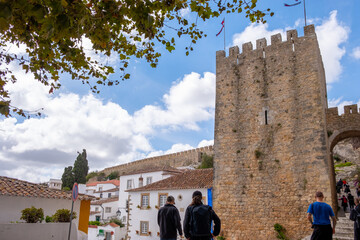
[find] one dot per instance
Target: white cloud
(205, 143)
(331, 34)
(108, 132)
(356, 53)
(185, 12)
(256, 31)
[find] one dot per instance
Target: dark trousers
(322, 232)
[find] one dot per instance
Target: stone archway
(340, 127)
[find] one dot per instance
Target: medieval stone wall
(271, 146)
(179, 159)
(342, 126)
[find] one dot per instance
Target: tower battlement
(262, 47)
(348, 109)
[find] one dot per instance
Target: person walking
(169, 220)
(350, 198)
(344, 202)
(319, 214)
(354, 217)
(198, 219)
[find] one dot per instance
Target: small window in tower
(266, 117)
(293, 46)
(264, 55)
(351, 110)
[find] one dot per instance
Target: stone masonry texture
(271, 144)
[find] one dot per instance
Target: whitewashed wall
(119, 233)
(10, 207)
(107, 216)
(150, 215)
(123, 196)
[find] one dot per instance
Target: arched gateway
(274, 135)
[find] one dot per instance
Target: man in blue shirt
(322, 212)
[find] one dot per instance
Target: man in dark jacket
(169, 220)
(353, 216)
(198, 218)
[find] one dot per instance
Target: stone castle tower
(271, 143)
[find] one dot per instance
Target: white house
(55, 183)
(138, 178)
(103, 189)
(16, 195)
(110, 231)
(105, 209)
(148, 199)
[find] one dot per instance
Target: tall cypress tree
(81, 168)
(68, 178)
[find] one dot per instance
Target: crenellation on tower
(233, 51)
(351, 109)
(247, 47)
(275, 39)
(261, 43)
(309, 30)
(291, 34)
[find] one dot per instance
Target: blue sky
(166, 109)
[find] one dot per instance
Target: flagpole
(305, 12)
(224, 32)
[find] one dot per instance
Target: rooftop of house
(107, 200)
(20, 188)
(153, 168)
(114, 181)
(191, 179)
(109, 190)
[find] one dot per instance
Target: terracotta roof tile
(99, 202)
(93, 226)
(15, 187)
(114, 225)
(114, 181)
(191, 179)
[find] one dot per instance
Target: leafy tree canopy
(91, 175)
(113, 175)
(81, 168)
(53, 32)
(207, 161)
(68, 178)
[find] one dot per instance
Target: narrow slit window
(266, 117)
(293, 46)
(237, 60)
(351, 111)
(264, 55)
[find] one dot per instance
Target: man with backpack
(321, 212)
(198, 219)
(355, 216)
(169, 220)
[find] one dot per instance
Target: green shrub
(32, 215)
(207, 161)
(63, 215)
(346, 164)
(220, 238)
(97, 223)
(48, 219)
(280, 231)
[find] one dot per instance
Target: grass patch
(340, 165)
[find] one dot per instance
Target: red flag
(223, 25)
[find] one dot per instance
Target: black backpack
(200, 221)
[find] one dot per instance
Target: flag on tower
(291, 5)
(223, 25)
